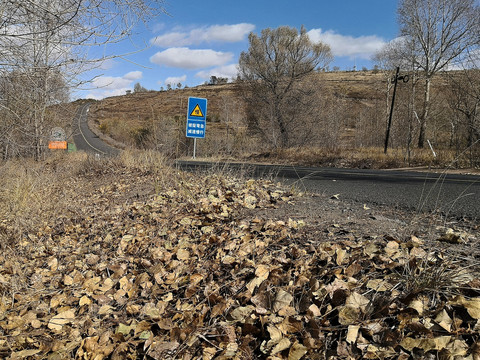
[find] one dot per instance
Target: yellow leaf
(261, 273)
(472, 306)
(133, 309)
(152, 312)
(167, 297)
(196, 278)
(415, 241)
(314, 310)
(53, 263)
(341, 255)
(124, 283)
(357, 300)
(283, 344)
(458, 348)
(420, 304)
(242, 312)
(145, 335)
(67, 280)
(183, 254)
(207, 229)
(186, 221)
(282, 300)
(107, 285)
(104, 310)
(58, 321)
(418, 252)
(231, 350)
(250, 201)
(409, 343)
(378, 285)
(275, 335)
(209, 353)
(36, 324)
(84, 300)
(297, 351)
(57, 300)
(352, 333)
(348, 315)
(444, 320)
(441, 342)
(438, 343)
(125, 329)
(227, 260)
(24, 354)
(451, 237)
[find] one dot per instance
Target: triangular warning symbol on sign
(197, 112)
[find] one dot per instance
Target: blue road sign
(196, 128)
(196, 117)
(197, 109)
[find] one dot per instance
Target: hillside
(349, 129)
(361, 86)
(122, 117)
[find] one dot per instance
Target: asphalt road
(453, 195)
(85, 139)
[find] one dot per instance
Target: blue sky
(198, 39)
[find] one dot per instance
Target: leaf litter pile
(195, 268)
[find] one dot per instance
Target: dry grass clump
(28, 194)
(34, 193)
(362, 158)
(433, 275)
(146, 161)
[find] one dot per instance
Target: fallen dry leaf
(58, 321)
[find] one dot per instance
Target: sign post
(196, 120)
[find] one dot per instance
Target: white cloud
(98, 95)
(159, 27)
(107, 64)
(222, 33)
(186, 58)
(227, 71)
(214, 33)
(174, 80)
(105, 86)
(171, 39)
(111, 83)
(133, 75)
(341, 45)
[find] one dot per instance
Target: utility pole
(395, 79)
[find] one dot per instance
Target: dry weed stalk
(434, 275)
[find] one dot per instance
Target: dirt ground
(327, 218)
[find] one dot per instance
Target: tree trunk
(424, 117)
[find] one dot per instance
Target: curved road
(85, 139)
(452, 195)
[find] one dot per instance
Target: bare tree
(47, 43)
(464, 99)
(439, 32)
(138, 88)
(272, 71)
